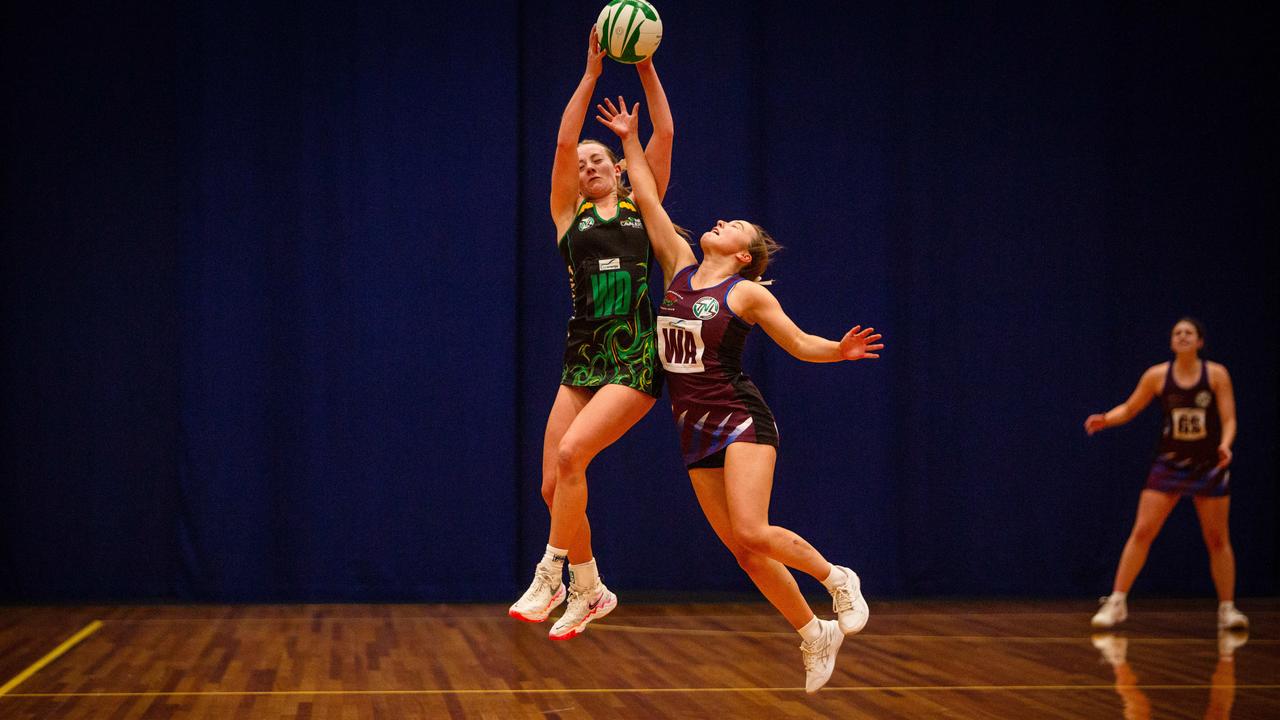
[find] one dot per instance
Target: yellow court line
(54, 654)
(633, 691)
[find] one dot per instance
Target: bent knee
(753, 540)
(750, 562)
(1217, 541)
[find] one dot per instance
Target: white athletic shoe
(1229, 640)
(820, 656)
(1112, 613)
(544, 594)
(1114, 649)
(847, 601)
(585, 606)
(1229, 618)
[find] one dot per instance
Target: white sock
(1226, 605)
(812, 630)
(834, 578)
(1119, 596)
(553, 559)
(584, 575)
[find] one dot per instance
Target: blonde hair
(762, 248)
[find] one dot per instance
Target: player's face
(597, 175)
(728, 238)
(1185, 338)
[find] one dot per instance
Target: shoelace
(541, 580)
(841, 599)
(811, 655)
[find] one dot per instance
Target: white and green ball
(629, 30)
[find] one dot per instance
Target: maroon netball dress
(1187, 456)
(700, 343)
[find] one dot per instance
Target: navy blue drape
(283, 315)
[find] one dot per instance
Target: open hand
(595, 55)
(859, 344)
(623, 124)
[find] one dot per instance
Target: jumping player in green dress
(610, 377)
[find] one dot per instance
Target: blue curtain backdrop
(283, 315)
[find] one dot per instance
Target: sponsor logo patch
(609, 264)
(632, 222)
(1203, 398)
(706, 307)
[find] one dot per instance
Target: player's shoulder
(1217, 371)
(1158, 370)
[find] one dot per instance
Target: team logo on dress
(632, 222)
(1203, 398)
(705, 308)
(586, 223)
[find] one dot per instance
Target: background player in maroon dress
(1193, 459)
(728, 435)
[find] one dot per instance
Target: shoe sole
(581, 627)
(555, 602)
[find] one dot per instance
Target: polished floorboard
(915, 659)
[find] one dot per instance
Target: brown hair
(762, 248)
(622, 188)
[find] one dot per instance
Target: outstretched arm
(1148, 387)
(658, 150)
(564, 171)
(754, 303)
(670, 249)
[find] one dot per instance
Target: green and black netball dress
(611, 339)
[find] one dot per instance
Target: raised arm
(669, 248)
(658, 150)
(564, 171)
(1220, 381)
(754, 303)
(1148, 387)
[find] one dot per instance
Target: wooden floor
(914, 660)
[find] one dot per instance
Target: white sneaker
(1229, 640)
(820, 656)
(1229, 618)
(1112, 613)
(1114, 649)
(847, 601)
(584, 607)
(544, 594)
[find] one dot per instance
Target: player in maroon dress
(727, 433)
(1191, 460)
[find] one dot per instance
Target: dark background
(283, 316)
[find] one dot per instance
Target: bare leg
(569, 402)
(1213, 512)
(770, 576)
(748, 484)
(607, 415)
(1153, 508)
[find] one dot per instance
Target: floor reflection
(1137, 706)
